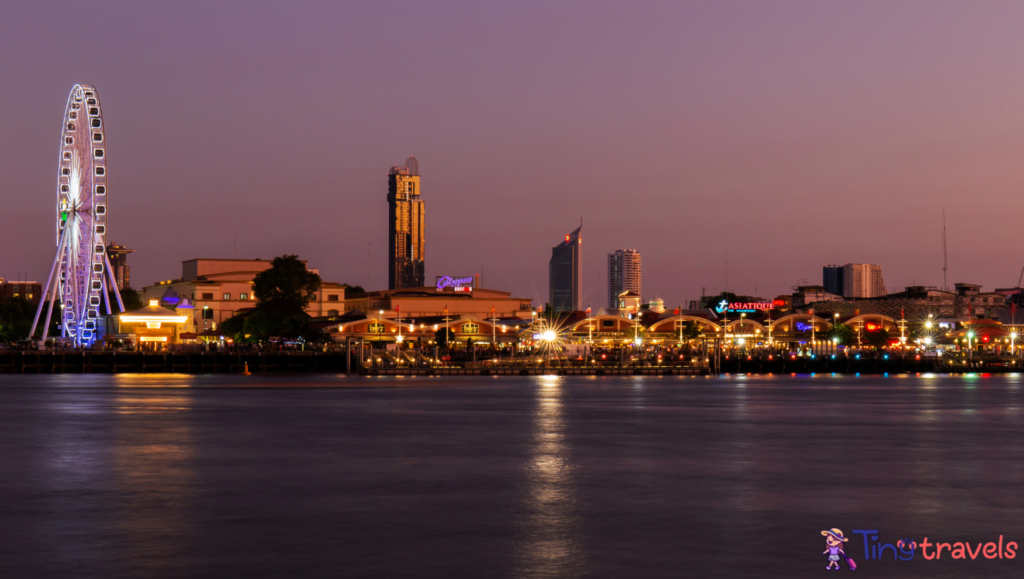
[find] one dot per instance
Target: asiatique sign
(743, 307)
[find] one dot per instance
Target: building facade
(405, 227)
(624, 274)
(430, 302)
(565, 275)
(863, 280)
(118, 255)
(30, 290)
(216, 289)
(917, 302)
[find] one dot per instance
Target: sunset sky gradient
(784, 134)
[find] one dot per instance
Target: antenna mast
(945, 262)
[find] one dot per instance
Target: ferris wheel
(82, 268)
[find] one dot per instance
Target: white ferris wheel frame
(81, 263)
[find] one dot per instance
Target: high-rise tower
(405, 227)
(118, 255)
(565, 274)
(624, 274)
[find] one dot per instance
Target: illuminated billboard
(457, 284)
(743, 307)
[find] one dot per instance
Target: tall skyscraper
(832, 279)
(565, 274)
(405, 227)
(624, 274)
(118, 255)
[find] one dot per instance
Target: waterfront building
(624, 274)
(151, 325)
(217, 289)
(406, 237)
(565, 274)
(435, 302)
(32, 291)
(118, 255)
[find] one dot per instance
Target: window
(207, 314)
(332, 312)
(96, 123)
(91, 101)
(101, 209)
(208, 296)
(65, 171)
(100, 171)
(99, 249)
(243, 296)
(101, 229)
(332, 298)
(98, 153)
(71, 126)
(69, 140)
(67, 155)
(72, 115)
(94, 111)
(97, 137)
(227, 296)
(607, 323)
(101, 189)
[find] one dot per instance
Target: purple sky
(786, 134)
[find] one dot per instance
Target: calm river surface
(226, 476)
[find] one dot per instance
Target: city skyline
(746, 128)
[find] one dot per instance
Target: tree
(879, 339)
(443, 337)
(287, 282)
(260, 325)
(691, 330)
(129, 297)
(843, 332)
(354, 290)
(16, 315)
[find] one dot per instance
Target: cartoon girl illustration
(834, 540)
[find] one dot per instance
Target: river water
(228, 476)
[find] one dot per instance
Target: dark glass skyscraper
(565, 275)
(833, 280)
(405, 227)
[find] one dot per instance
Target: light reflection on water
(549, 547)
(152, 463)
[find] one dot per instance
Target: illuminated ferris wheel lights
(80, 224)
